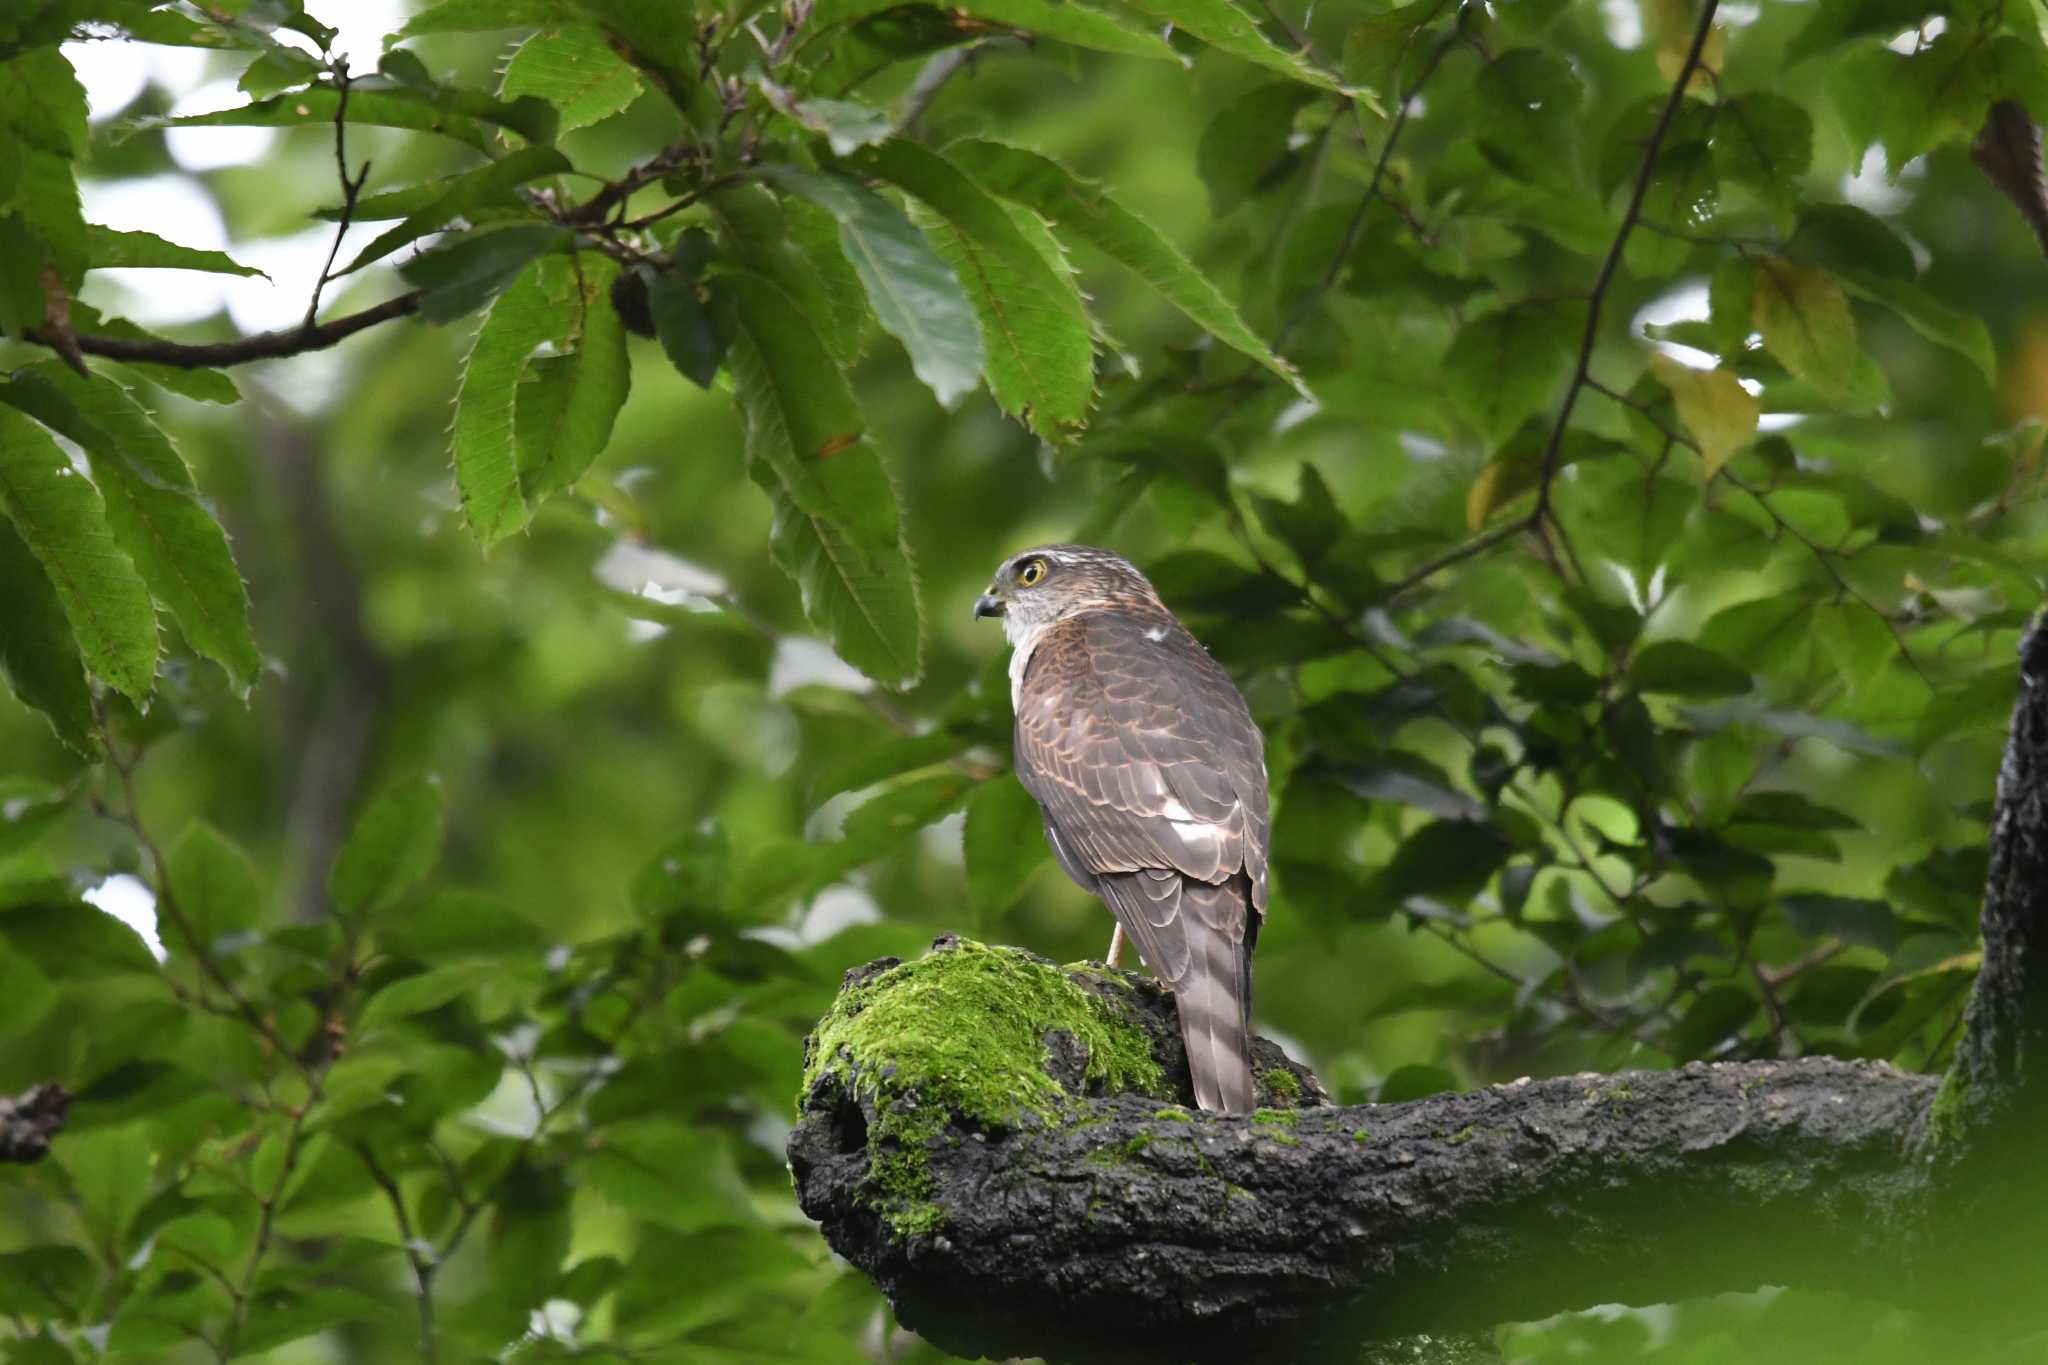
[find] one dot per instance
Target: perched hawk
(1152, 778)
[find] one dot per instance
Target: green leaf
(394, 844)
(484, 16)
(277, 1318)
(1806, 323)
(1915, 102)
(1841, 236)
(1529, 121)
(466, 273)
(1068, 21)
(795, 245)
(1866, 922)
(1682, 199)
(1040, 354)
(666, 1173)
(1961, 332)
(1082, 209)
(1680, 668)
(61, 518)
(846, 125)
(1379, 49)
(1508, 366)
(1227, 28)
(73, 941)
(461, 196)
(25, 997)
(1714, 408)
(379, 101)
(215, 883)
(575, 70)
(1716, 1015)
(108, 249)
(38, 655)
(837, 530)
(687, 329)
(1004, 842)
(153, 508)
(427, 990)
(1764, 141)
(46, 1281)
(916, 296)
(568, 401)
(1247, 147)
(1837, 21)
(486, 407)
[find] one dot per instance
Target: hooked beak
(987, 605)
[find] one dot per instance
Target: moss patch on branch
(964, 1031)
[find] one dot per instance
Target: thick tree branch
(261, 346)
(1135, 1233)
(29, 1121)
(1111, 1228)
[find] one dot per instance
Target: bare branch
(261, 346)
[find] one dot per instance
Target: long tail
(1196, 939)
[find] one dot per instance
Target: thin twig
(1596, 297)
(422, 1267)
(350, 190)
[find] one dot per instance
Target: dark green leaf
(1035, 332)
(1680, 668)
(1715, 1016)
(1383, 51)
(916, 296)
(216, 885)
(1866, 922)
(1765, 141)
(1246, 148)
(107, 248)
(1530, 116)
(1508, 366)
(467, 272)
(687, 329)
(837, 528)
(1227, 28)
(1082, 209)
(461, 195)
(38, 655)
(574, 70)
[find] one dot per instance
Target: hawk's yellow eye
(1031, 573)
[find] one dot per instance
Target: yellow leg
(1116, 946)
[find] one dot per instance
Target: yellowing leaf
(1716, 411)
(1805, 321)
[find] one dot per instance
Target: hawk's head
(1037, 587)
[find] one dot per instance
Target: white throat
(1024, 638)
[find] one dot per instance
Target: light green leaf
(576, 71)
(1714, 408)
(1765, 141)
(1041, 357)
(916, 296)
(38, 656)
(1082, 209)
(527, 426)
(153, 507)
(215, 884)
(461, 195)
(1529, 121)
(846, 125)
(567, 401)
(1068, 21)
(108, 249)
(278, 1319)
(60, 516)
(1915, 102)
(1003, 841)
(394, 844)
(1508, 366)
(427, 990)
(1806, 324)
(380, 102)
(837, 528)
(484, 16)
(1227, 28)
(1963, 333)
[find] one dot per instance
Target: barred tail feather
(1194, 937)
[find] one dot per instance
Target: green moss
(1461, 1137)
(1118, 1153)
(1283, 1085)
(1361, 1135)
(1945, 1120)
(962, 1032)
(1175, 1116)
(1276, 1118)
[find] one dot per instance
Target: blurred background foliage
(1663, 766)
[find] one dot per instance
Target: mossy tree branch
(1115, 1227)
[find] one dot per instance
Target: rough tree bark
(1120, 1230)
